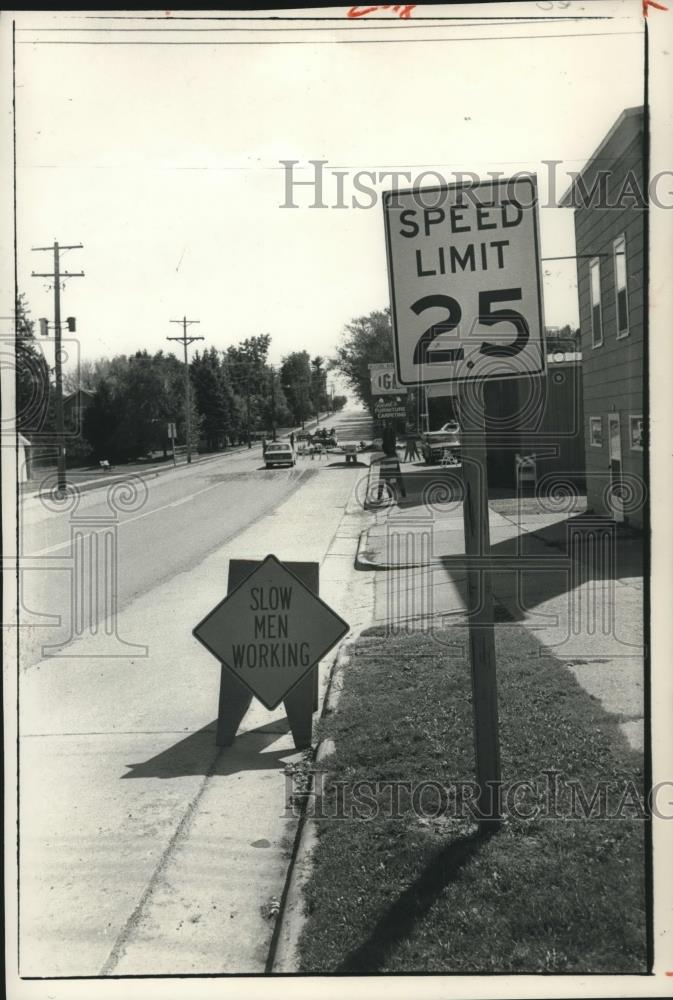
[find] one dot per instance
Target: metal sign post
(172, 435)
(480, 603)
(466, 305)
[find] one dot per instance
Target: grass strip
(411, 886)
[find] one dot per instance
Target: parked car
(325, 437)
(279, 453)
(442, 444)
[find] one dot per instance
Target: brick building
(609, 200)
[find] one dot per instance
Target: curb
(90, 485)
(292, 917)
(362, 561)
(283, 953)
(375, 464)
(151, 472)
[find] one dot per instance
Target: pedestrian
(411, 450)
(292, 439)
(263, 445)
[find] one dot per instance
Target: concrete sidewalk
(145, 848)
(574, 581)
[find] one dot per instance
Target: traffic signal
(44, 328)
(71, 324)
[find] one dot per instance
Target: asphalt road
(156, 528)
(131, 539)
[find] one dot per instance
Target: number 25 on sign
(465, 286)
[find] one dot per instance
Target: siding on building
(613, 372)
(545, 419)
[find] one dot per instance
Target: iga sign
(465, 285)
(384, 380)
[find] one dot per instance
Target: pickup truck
(444, 443)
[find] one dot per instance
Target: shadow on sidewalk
(198, 754)
(563, 557)
(397, 923)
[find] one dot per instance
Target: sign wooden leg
(234, 703)
(480, 605)
(299, 708)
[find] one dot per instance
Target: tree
(101, 424)
(318, 383)
(87, 374)
(214, 398)
(144, 391)
(295, 377)
(562, 338)
(247, 369)
(134, 402)
(366, 340)
(275, 409)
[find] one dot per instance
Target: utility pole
(58, 275)
(186, 341)
(247, 403)
(273, 405)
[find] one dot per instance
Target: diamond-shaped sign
(270, 631)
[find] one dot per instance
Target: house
(610, 233)
(74, 408)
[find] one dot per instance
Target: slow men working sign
(465, 286)
(270, 631)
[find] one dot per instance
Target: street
(334, 547)
(140, 840)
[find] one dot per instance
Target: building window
(621, 297)
(636, 433)
(596, 310)
(596, 432)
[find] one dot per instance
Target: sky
(163, 156)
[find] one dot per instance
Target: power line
(347, 26)
(343, 41)
(276, 17)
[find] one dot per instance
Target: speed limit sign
(465, 285)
